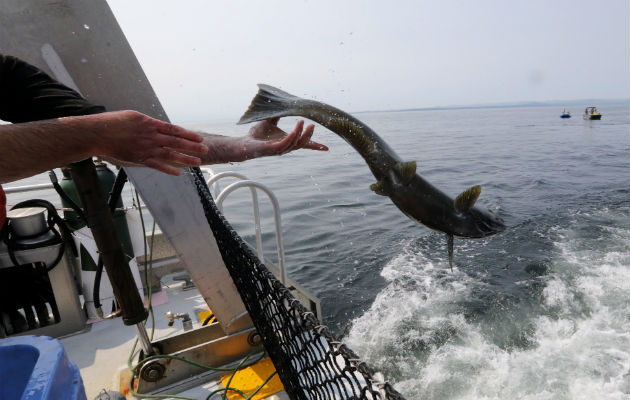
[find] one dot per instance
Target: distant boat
(592, 113)
(565, 114)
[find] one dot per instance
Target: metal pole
(144, 340)
(99, 220)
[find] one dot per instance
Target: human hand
(266, 139)
(133, 137)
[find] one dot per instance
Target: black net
(311, 363)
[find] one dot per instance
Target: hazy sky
(205, 57)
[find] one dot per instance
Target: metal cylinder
(144, 340)
(99, 219)
(28, 222)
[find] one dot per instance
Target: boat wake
(569, 338)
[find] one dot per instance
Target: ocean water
(540, 311)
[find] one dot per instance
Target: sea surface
(540, 311)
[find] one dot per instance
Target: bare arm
(30, 148)
(264, 139)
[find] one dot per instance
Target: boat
(565, 114)
(187, 319)
(97, 346)
(591, 113)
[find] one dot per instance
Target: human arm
(30, 148)
(264, 139)
(29, 94)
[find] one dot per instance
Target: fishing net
(310, 361)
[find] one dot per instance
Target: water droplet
(84, 60)
(86, 26)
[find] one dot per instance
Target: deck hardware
(152, 371)
(186, 321)
(188, 283)
(254, 339)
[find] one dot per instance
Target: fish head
(475, 223)
(423, 202)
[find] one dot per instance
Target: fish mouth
(486, 223)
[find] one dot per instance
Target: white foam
(581, 340)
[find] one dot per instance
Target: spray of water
(575, 330)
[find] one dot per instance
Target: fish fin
(407, 170)
(270, 102)
(450, 239)
(379, 188)
(466, 200)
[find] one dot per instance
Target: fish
(397, 179)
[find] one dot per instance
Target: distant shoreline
(554, 103)
(559, 103)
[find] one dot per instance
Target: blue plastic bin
(37, 368)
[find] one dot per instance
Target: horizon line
(515, 104)
(505, 105)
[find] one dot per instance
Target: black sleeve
(29, 94)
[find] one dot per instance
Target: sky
(204, 58)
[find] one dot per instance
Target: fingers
(162, 167)
(168, 160)
(306, 136)
(305, 141)
(298, 128)
(294, 137)
(181, 144)
(175, 157)
(288, 142)
(178, 131)
(299, 140)
(315, 146)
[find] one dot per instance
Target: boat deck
(101, 352)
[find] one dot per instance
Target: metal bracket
(201, 346)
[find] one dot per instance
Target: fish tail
(270, 102)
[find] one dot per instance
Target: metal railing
(253, 186)
(28, 188)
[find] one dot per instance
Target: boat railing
(221, 195)
(27, 188)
